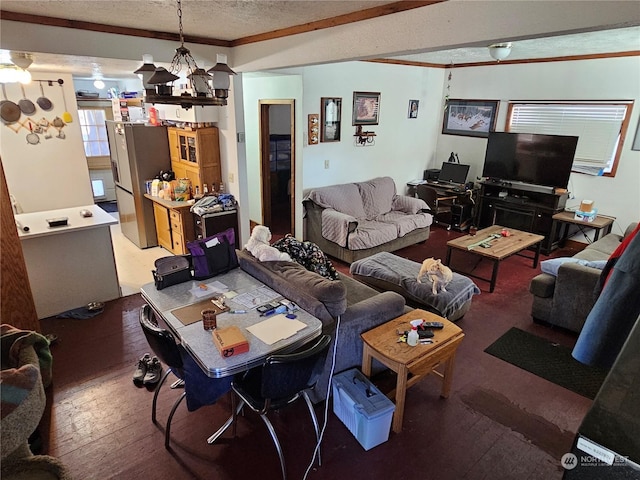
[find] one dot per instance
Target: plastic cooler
(364, 409)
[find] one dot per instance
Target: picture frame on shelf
(330, 119)
(413, 109)
(471, 118)
(366, 108)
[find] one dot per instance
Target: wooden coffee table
(411, 363)
(498, 247)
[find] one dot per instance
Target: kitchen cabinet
(174, 224)
(195, 154)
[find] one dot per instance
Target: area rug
(547, 360)
(109, 207)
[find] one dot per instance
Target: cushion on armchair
(377, 196)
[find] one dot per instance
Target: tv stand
(522, 206)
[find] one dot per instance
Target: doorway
(277, 160)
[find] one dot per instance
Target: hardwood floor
(500, 422)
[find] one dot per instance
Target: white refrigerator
(138, 153)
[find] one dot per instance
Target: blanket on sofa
(307, 254)
(403, 272)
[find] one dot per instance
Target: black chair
(279, 382)
(438, 205)
(163, 344)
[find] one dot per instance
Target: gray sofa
(359, 307)
(355, 220)
(566, 299)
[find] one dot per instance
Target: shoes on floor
(141, 369)
(154, 372)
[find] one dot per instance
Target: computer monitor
(453, 173)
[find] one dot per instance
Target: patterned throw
(307, 254)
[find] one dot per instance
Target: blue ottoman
(386, 271)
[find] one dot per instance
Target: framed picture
(413, 108)
(472, 118)
(366, 108)
(330, 115)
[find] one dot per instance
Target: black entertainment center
(527, 177)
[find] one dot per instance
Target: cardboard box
(585, 216)
(364, 409)
(230, 341)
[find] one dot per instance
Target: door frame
(265, 172)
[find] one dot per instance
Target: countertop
(169, 203)
(38, 226)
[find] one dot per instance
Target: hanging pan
(66, 116)
(32, 138)
(26, 106)
(9, 111)
(43, 102)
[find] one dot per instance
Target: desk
(600, 222)
(499, 249)
(462, 208)
(382, 344)
(199, 343)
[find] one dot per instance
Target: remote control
(432, 325)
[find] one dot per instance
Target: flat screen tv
(453, 172)
(530, 158)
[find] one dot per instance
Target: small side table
(599, 223)
(382, 344)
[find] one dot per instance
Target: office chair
(166, 349)
(279, 382)
(438, 205)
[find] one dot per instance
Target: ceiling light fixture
(16, 71)
(99, 84)
(159, 88)
(500, 51)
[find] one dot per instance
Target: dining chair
(163, 344)
(438, 205)
(279, 382)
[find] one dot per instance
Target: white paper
(206, 289)
(256, 297)
(212, 243)
(275, 328)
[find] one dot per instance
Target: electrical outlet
(231, 177)
(326, 164)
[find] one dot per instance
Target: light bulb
(99, 84)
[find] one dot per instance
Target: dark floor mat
(547, 360)
(110, 207)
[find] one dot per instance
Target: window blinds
(596, 125)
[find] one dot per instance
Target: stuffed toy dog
(440, 275)
(258, 245)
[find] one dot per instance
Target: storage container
(364, 409)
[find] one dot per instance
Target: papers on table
(256, 297)
(275, 328)
(205, 289)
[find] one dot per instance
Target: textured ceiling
(219, 19)
(235, 19)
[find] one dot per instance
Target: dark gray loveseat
(360, 307)
(565, 300)
(351, 221)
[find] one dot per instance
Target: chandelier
(206, 89)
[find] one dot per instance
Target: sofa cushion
(344, 198)
(377, 196)
(371, 234)
(405, 223)
(552, 265)
(324, 299)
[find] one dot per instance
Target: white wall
(598, 79)
(52, 174)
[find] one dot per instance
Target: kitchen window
(600, 126)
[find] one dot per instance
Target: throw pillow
(552, 265)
